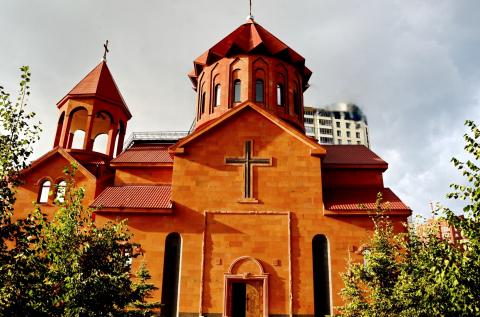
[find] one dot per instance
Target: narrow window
(296, 102)
(44, 192)
(61, 189)
(237, 85)
(321, 275)
(203, 103)
(171, 274)
(218, 94)
(259, 90)
(280, 99)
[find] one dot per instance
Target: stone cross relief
(248, 162)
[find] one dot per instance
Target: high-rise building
(339, 123)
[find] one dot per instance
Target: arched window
(259, 90)
(237, 85)
(44, 192)
(61, 190)
(171, 274)
(202, 109)
(321, 275)
(218, 95)
(280, 95)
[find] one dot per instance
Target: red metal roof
(145, 154)
(351, 155)
(250, 38)
(350, 199)
(135, 197)
(98, 83)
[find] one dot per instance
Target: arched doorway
(246, 289)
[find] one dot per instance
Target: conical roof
(99, 83)
(250, 38)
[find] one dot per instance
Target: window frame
(259, 84)
(237, 88)
(41, 192)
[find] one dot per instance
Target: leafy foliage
(20, 271)
(17, 134)
(415, 274)
(89, 266)
(68, 266)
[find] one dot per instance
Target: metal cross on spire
(105, 46)
(250, 16)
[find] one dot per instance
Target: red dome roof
(250, 38)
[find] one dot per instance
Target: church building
(243, 216)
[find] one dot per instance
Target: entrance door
(247, 299)
(239, 299)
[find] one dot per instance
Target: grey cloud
(411, 65)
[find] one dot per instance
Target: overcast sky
(412, 66)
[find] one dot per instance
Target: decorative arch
(239, 261)
(60, 124)
(217, 92)
(235, 72)
(260, 79)
(214, 81)
(252, 272)
(202, 97)
(236, 90)
(102, 123)
(77, 119)
(121, 137)
(199, 95)
(281, 89)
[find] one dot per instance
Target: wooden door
(254, 299)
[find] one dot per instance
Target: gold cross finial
(105, 46)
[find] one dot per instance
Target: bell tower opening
(93, 117)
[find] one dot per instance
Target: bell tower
(93, 116)
(250, 64)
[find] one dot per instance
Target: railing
(155, 136)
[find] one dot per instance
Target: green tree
(370, 286)
(19, 281)
(413, 274)
(88, 265)
(68, 266)
(17, 134)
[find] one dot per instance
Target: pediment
(53, 155)
(246, 109)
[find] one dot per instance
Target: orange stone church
(243, 216)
